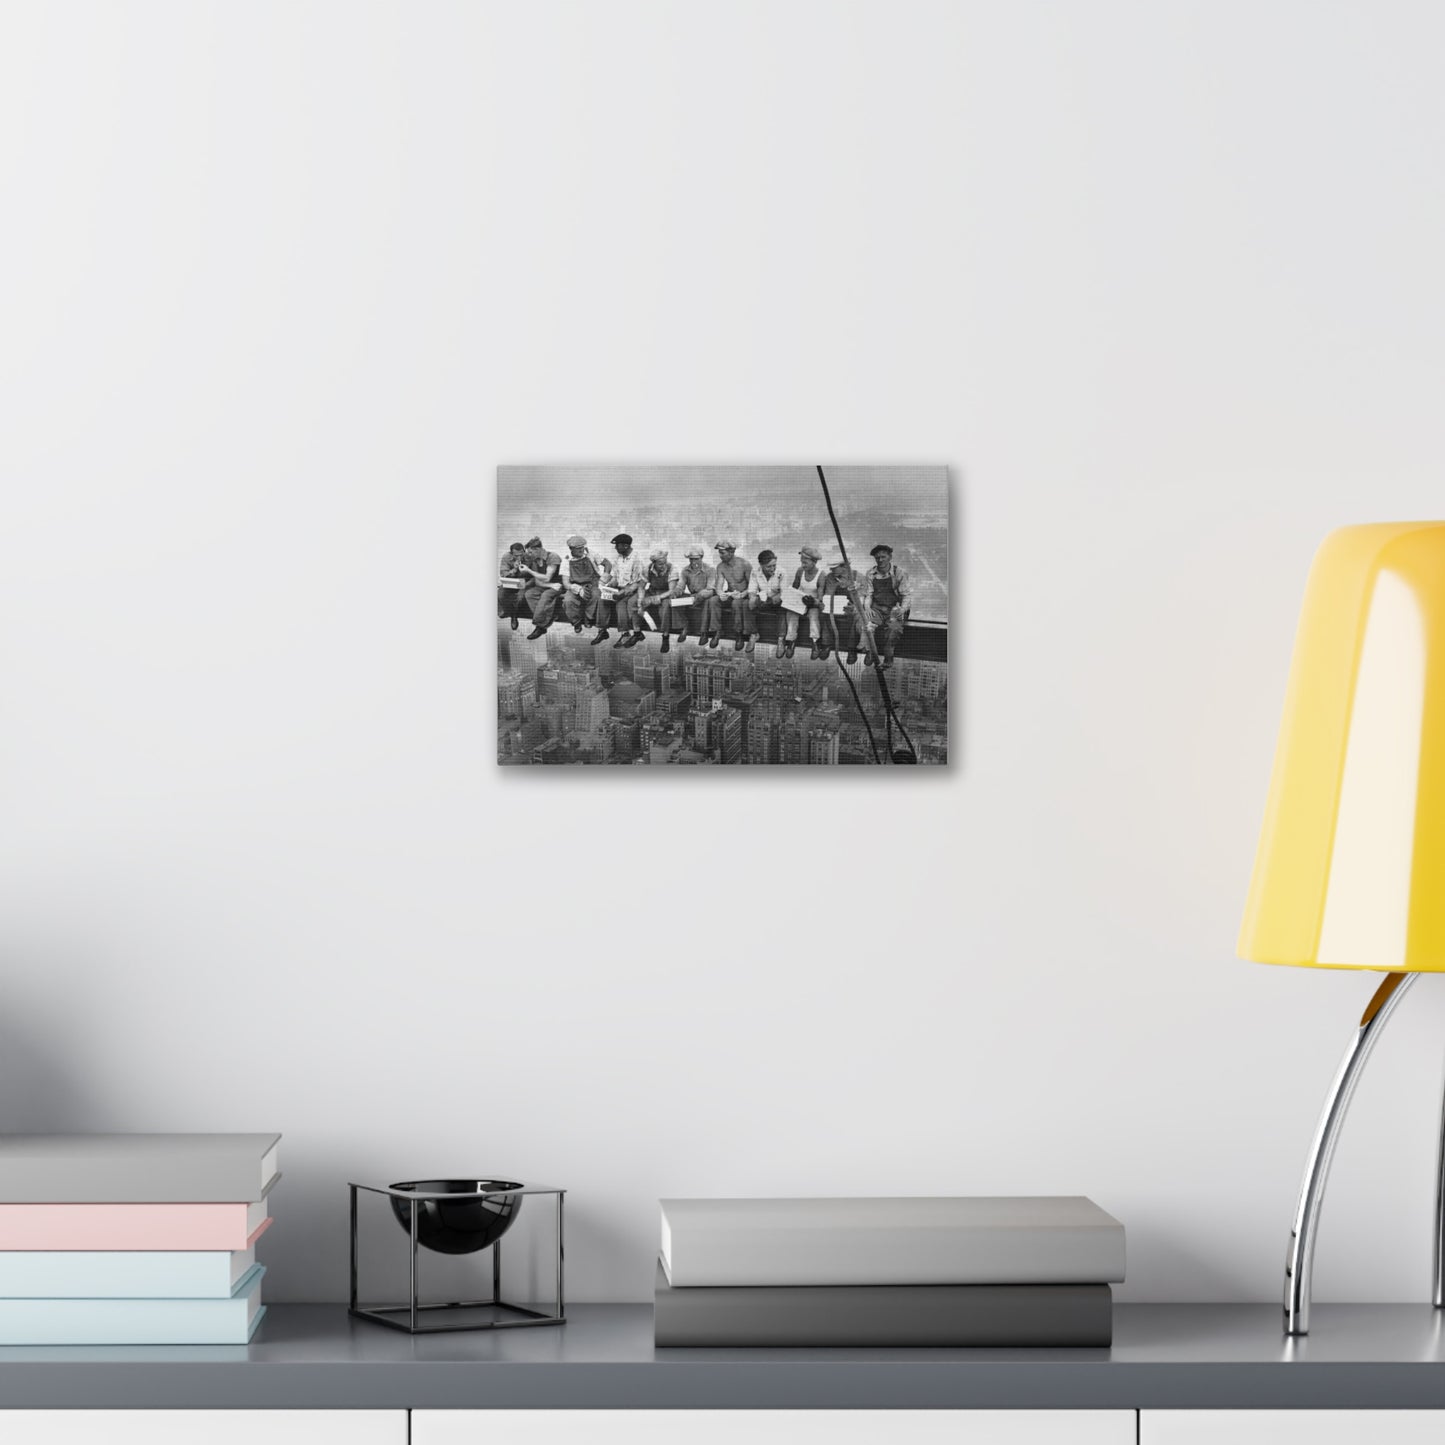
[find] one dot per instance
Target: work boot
(577, 628)
(788, 647)
(621, 641)
(535, 633)
(887, 661)
(852, 656)
(601, 637)
(666, 642)
(824, 650)
(738, 644)
(716, 638)
(752, 642)
(634, 639)
(515, 623)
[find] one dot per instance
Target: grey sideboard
(1165, 1357)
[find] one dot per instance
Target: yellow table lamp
(1351, 865)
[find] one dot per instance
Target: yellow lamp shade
(1350, 871)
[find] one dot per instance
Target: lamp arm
(1299, 1266)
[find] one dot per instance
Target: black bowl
(464, 1223)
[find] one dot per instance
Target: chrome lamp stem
(1299, 1266)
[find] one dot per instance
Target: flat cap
(810, 551)
(696, 551)
(576, 541)
(659, 554)
(622, 539)
(731, 546)
(881, 547)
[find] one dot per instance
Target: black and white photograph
(691, 616)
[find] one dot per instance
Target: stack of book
(887, 1272)
(132, 1239)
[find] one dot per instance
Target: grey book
(137, 1168)
(883, 1316)
(1054, 1239)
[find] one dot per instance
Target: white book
(1005, 1240)
(137, 1168)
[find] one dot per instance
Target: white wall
(281, 284)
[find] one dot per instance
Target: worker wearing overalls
(887, 598)
(583, 575)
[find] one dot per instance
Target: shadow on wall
(1170, 1258)
(594, 1244)
(960, 585)
(39, 1094)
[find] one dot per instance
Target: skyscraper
(516, 693)
(525, 655)
(623, 734)
(593, 709)
(763, 740)
(709, 677)
(822, 745)
(733, 737)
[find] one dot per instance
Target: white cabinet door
(774, 1427)
(202, 1427)
(1292, 1427)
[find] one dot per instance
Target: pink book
(132, 1226)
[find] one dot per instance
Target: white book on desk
(996, 1240)
(137, 1168)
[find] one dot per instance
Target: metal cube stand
(415, 1318)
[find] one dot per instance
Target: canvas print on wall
(698, 616)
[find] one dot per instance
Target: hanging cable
(907, 753)
(858, 703)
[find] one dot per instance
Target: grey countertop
(1164, 1356)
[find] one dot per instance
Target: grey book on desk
(1063, 1239)
(883, 1316)
(137, 1168)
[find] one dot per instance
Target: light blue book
(230, 1321)
(122, 1273)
